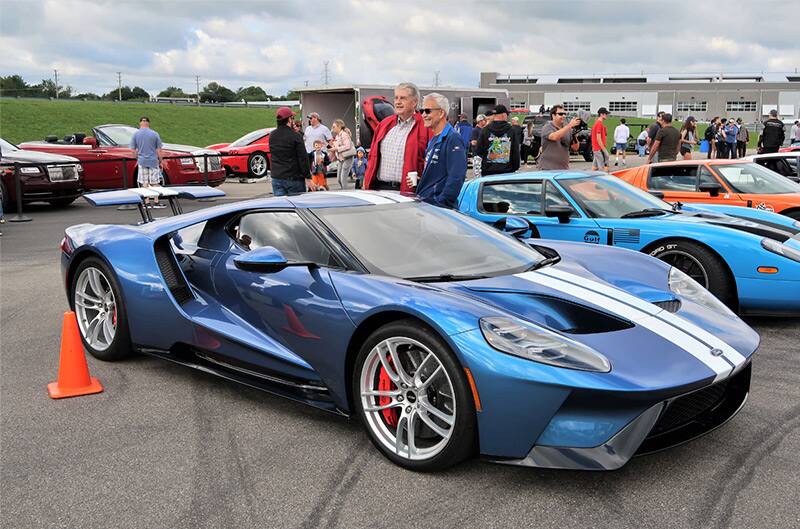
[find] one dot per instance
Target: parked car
(247, 156)
(445, 337)
(730, 182)
(783, 163)
(55, 179)
(109, 147)
(749, 259)
(790, 148)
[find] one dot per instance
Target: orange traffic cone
(73, 373)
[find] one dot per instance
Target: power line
(436, 77)
(197, 81)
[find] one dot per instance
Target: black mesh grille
(672, 305)
(171, 272)
(688, 407)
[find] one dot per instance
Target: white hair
(441, 101)
(411, 87)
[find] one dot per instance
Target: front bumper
(663, 425)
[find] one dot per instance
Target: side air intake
(171, 272)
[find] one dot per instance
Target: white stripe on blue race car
(607, 301)
(698, 333)
(375, 198)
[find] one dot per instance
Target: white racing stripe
(681, 323)
(649, 321)
(372, 197)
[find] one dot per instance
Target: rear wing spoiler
(136, 197)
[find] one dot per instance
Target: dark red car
(249, 155)
(102, 158)
(44, 177)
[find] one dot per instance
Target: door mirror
(515, 226)
(266, 259)
(710, 188)
(657, 194)
(562, 212)
(90, 140)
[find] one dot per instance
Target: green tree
(215, 92)
(13, 86)
(139, 93)
(251, 93)
(173, 91)
(88, 95)
(47, 88)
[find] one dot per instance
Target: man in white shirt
(621, 135)
(316, 131)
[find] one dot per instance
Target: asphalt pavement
(166, 446)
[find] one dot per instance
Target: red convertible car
(104, 154)
(249, 155)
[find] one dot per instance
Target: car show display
(248, 156)
(446, 339)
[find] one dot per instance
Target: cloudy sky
(283, 44)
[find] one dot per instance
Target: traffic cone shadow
(73, 372)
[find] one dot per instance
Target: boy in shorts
(319, 166)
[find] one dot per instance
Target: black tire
(462, 442)
(259, 158)
(165, 178)
(120, 346)
(61, 202)
(791, 214)
(703, 265)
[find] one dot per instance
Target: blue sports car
(748, 258)
(443, 335)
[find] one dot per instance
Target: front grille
(173, 276)
(688, 407)
(61, 173)
(672, 305)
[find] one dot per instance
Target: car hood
(177, 147)
(24, 156)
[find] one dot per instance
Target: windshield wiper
(445, 277)
(544, 262)
(647, 212)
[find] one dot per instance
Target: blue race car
(748, 258)
(444, 336)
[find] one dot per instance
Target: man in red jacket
(398, 146)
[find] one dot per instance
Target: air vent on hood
(671, 305)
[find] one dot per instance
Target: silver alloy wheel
(422, 398)
(95, 308)
(258, 165)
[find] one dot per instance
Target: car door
(680, 183)
(529, 198)
(297, 306)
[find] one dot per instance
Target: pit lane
(166, 446)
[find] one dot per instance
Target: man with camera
(556, 139)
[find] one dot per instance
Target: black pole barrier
(125, 185)
(19, 217)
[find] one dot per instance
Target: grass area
(25, 120)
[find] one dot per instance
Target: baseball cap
(602, 110)
(284, 113)
(489, 113)
(500, 109)
(773, 113)
(480, 117)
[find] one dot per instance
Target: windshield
(608, 197)
(118, 134)
(249, 138)
(753, 179)
(7, 147)
(417, 239)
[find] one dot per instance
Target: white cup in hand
(412, 178)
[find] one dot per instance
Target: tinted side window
(706, 177)
(673, 178)
(554, 197)
(285, 231)
(517, 198)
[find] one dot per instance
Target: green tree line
(213, 92)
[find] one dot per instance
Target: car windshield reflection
(608, 197)
(119, 134)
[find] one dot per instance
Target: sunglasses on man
(428, 110)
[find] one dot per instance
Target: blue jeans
(281, 187)
(641, 149)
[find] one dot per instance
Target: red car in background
(249, 155)
(108, 149)
(790, 148)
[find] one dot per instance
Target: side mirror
(657, 194)
(562, 212)
(710, 188)
(90, 140)
(266, 259)
(515, 226)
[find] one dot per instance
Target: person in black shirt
(291, 172)
(498, 146)
(773, 135)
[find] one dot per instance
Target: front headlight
(796, 224)
(187, 161)
(78, 168)
(29, 170)
(686, 287)
(532, 342)
(781, 249)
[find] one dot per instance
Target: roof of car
(790, 154)
(544, 175)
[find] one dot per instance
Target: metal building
(747, 95)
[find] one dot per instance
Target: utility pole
(436, 77)
(119, 86)
(197, 81)
(56, 76)
(325, 74)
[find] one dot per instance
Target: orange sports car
(728, 182)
